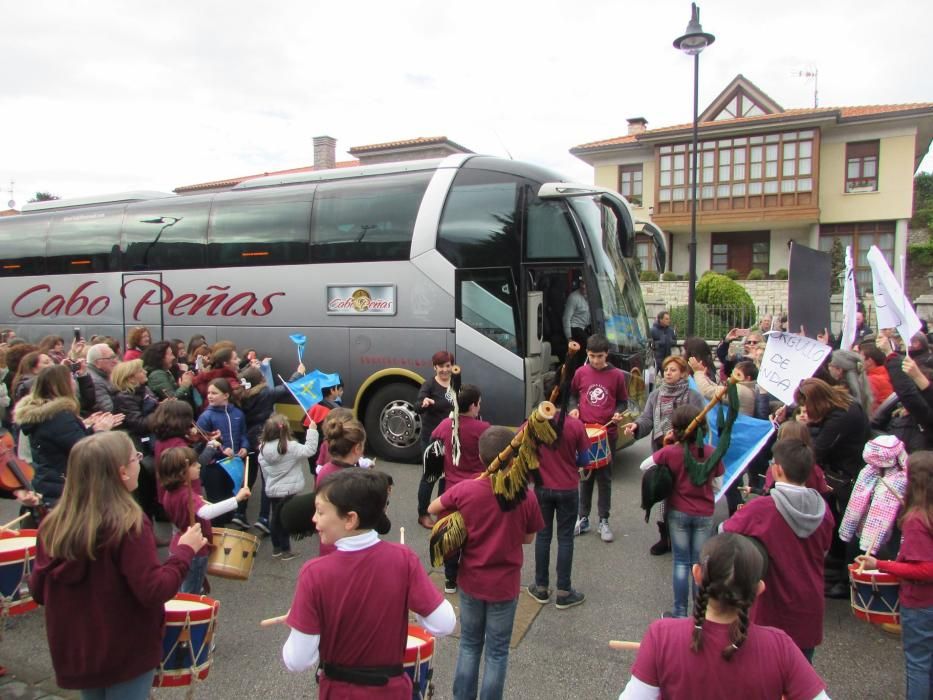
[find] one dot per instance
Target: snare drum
(419, 662)
(17, 553)
(232, 554)
(188, 640)
(599, 454)
(874, 596)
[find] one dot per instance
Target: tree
(838, 262)
(44, 197)
(923, 201)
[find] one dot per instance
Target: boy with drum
(598, 395)
(796, 529)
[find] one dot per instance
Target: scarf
(670, 396)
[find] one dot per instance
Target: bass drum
(393, 429)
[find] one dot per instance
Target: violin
(17, 473)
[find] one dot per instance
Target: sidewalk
(21, 687)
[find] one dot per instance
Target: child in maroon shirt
(490, 571)
(351, 608)
(104, 614)
(463, 462)
(914, 566)
(719, 653)
(796, 529)
(599, 395)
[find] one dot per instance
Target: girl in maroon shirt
(99, 577)
(914, 566)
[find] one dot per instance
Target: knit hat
(885, 452)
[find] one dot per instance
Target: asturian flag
(307, 389)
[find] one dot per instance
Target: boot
(663, 545)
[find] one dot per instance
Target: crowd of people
(848, 478)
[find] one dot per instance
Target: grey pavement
(563, 655)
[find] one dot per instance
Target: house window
(644, 252)
(630, 183)
(861, 235)
(862, 166)
(743, 251)
(739, 167)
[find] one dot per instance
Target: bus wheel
(392, 426)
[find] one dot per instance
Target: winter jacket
(839, 438)
(104, 617)
(913, 400)
(645, 421)
(257, 404)
(880, 384)
(202, 379)
(231, 423)
(872, 509)
(53, 429)
(103, 390)
(162, 383)
(136, 407)
(285, 474)
(747, 392)
(664, 340)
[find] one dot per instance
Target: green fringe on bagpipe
(510, 484)
(699, 471)
(448, 535)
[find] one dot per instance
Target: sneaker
(450, 585)
(569, 600)
(263, 526)
(539, 593)
(287, 555)
(605, 534)
(276, 552)
(240, 521)
(582, 526)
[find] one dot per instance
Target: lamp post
(692, 43)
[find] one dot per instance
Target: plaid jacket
(872, 507)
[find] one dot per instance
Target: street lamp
(692, 43)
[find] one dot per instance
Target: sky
(104, 96)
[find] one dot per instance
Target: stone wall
(766, 294)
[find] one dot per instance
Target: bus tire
(393, 429)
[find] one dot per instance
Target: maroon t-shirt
(793, 596)
(767, 666)
(600, 391)
(470, 464)
(176, 505)
(687, 497)
(491, 560)
(358, 603)
(917, 545)
(557, 463)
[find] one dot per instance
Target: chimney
(637, 125)
(325, 152)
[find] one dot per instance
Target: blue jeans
(564, 505)
(134, 689)
(688, 534)
(917, 635)
(489, 623)
(194, 581)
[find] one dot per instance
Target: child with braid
(719, 653)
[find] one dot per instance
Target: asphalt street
(563, 655)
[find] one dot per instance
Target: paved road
(563, 655)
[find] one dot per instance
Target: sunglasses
(750, 342)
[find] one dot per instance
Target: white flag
(891, 306)
(788, 360)
(849, 304)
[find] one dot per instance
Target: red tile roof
(9, 212)
(421, 141)
(841, 113)
(231, 182)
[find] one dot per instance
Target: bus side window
(272, 230)
(370, 218)
(487, 301)
(22, 244)
(83, 241)
(481, 219)
(164, 235)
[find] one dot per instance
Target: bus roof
(94, 200)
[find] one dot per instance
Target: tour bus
(379, 266)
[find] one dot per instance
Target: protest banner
(849, 304)
(808, 290)
(789, 358)
(891, 305)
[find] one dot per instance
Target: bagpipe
(432, 459)
(509, 471)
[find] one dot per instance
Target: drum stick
(401, 535)
(893, 491)
(270, 621)
(13, 522)
(624, 646)
(874, 543)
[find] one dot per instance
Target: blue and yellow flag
(307, 390)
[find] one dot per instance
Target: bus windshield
(617, 278)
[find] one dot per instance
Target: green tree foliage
(923, 201)
(727, 298)
(837, 256)
(44, 197)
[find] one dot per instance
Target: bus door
(489, 343)
(142, 302)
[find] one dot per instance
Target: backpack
(657, 484)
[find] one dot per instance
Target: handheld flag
(892, 307)
(235, 469)
(849, 304)
(307, 389)
(749, 437)
(300, 340)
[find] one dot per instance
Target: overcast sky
(108, 96)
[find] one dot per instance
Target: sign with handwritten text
(788, 360)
